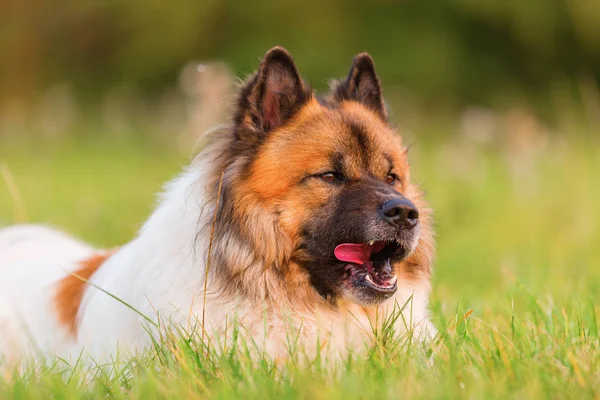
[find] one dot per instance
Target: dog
(299, 217)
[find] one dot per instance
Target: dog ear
(362, 85)
(273, 94)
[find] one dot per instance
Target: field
(516, 286)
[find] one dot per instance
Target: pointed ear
(274, 94)
(362, 85)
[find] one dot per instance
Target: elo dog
(300, 217)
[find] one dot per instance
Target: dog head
(320, 184)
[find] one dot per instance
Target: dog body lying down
(297, 221)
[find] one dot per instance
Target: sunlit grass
(515, 289)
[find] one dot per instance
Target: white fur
(160, 272)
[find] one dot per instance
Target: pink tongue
(353, 253)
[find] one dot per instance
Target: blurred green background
(101, 102)
(458, 52)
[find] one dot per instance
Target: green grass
(515, 289)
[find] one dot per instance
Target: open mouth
(369, 265)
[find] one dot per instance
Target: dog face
(330, 174)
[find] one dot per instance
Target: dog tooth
(368, 278)
(393, 280)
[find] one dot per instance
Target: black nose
(400, 212)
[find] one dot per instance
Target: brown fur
(268, 207)
(275, 188)
(71, 289)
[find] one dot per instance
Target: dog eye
(330, 177)
(391, 179)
